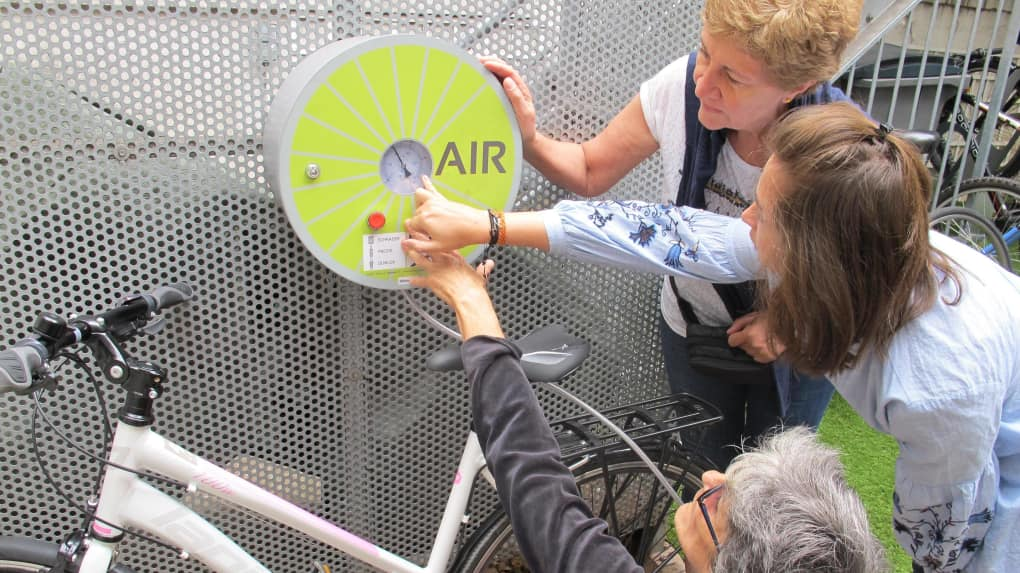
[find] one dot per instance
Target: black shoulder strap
(738, 298)
(685, 307)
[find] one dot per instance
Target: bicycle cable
(433, 322)
(92, 456)
(80, 362)
(666, 561)
(67, 498)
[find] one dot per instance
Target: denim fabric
(749, 410)
(809, 397)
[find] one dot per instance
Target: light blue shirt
(948, 389)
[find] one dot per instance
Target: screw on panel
(268, 39)
(116, 372)
(312, 171)
(153, 394)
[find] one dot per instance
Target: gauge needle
(401, 160)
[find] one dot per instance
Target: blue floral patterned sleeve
(654, 238)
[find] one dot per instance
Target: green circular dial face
(403, 164)
(356, 125)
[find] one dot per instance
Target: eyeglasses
(704, 511)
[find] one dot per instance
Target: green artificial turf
(870, 459)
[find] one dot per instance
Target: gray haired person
(783, 507)
(789, 508)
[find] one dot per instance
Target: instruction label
(382, 252)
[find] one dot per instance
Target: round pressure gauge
(355, 127)
(403, 164)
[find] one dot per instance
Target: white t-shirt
(730, 190)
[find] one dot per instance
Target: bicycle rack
(667, 423)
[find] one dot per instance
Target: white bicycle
(614, 481)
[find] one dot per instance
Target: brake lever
(154, 326)
(46, 379)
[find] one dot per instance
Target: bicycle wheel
(970, 228)
(626, 495)
(998, 200)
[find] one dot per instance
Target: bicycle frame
(128, 501)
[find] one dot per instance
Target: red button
(376, 220)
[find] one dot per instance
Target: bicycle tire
(972, 229)
(996, 199)
(494, 548)
(27, 555)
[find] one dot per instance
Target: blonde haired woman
(707, 113)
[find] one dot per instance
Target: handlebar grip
(18, 365)
(167, 296)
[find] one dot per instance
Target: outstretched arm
(463, 289)
(647, 237)
(555, 529)
(590, 168)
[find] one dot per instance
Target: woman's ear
(799, 91)
(712, 478)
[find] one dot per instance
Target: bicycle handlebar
(22, 363)
(19, 364)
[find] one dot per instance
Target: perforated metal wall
(130, 140)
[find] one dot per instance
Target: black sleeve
(554, 526)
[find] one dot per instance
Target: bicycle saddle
(547, 354)
(924, 141)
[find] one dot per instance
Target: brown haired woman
(920, 334)
(707, 112)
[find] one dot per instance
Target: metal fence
(947, 67)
